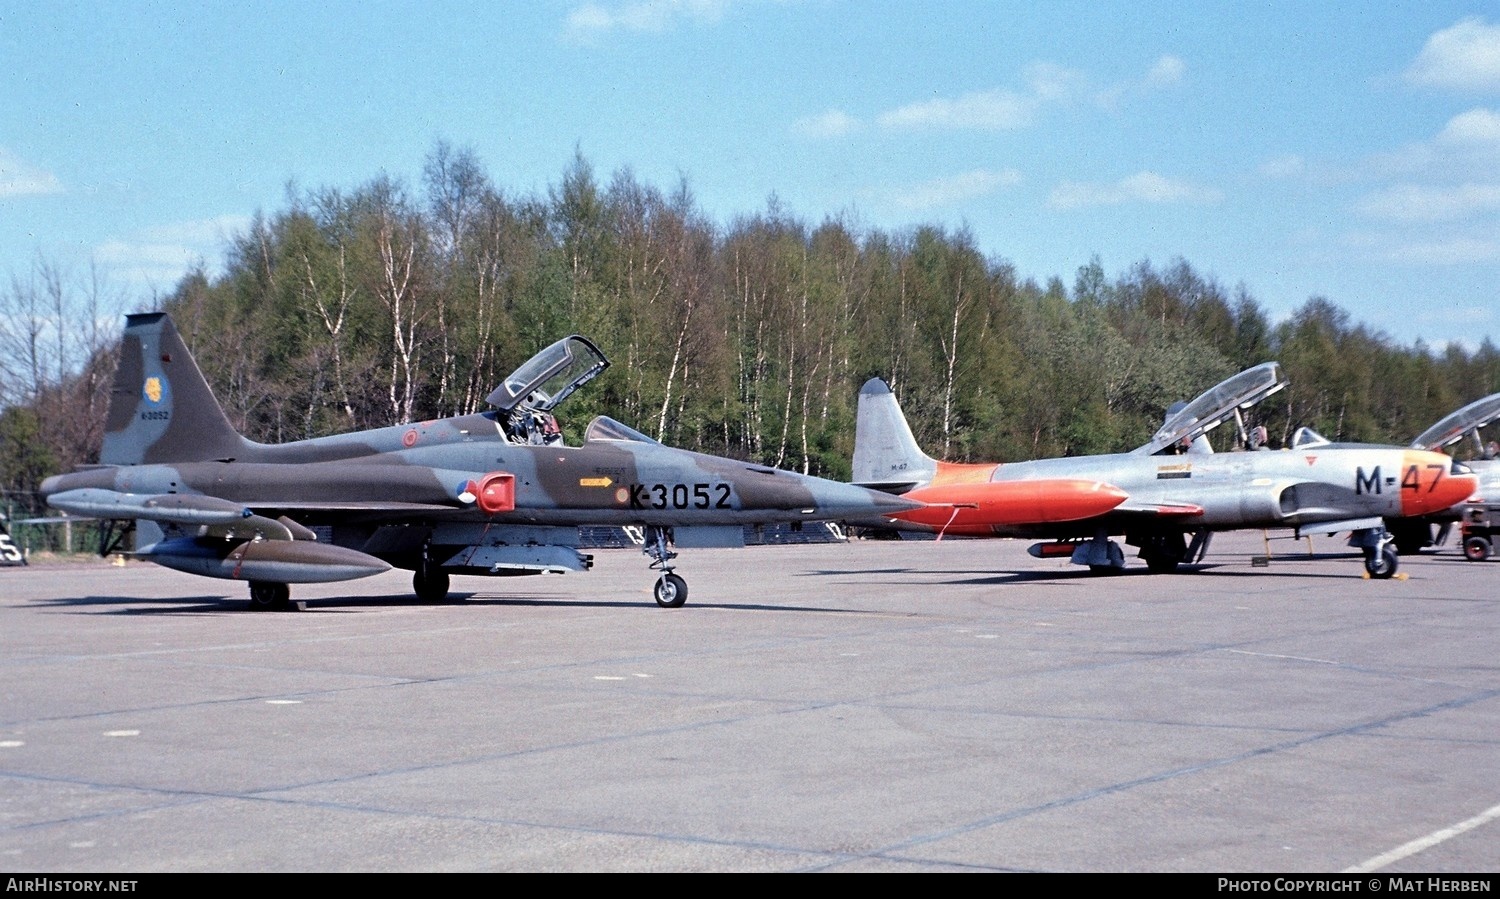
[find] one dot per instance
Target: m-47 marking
(1411, 479)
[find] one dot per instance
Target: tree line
(389, 302)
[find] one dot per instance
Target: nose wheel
(1381, 562)
(1381, 558)
(671, 590)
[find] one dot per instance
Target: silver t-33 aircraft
(1166, 497)
(1414, 534)
(493, 493)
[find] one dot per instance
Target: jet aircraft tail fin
(161, 408)
(886, 454)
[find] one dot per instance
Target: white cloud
(1409, 202)
(999, 109)
(1047, 84)
(1289, 166)
(994, 110)
(1053, 83)
(592, 20)
(214, 231)
(18, 179)
(1166, 71)
(1475, 127)
(955, 189)
(1453, 251)
(1142, 187)
(159, 256)
(833, 123)
(1465, 56)
(1427, 249)
(1467, 148)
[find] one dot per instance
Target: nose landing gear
(671, 590)
(1381, 558)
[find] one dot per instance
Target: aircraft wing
(112, 505)
(1158, 510)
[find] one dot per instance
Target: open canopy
(1456, 425)
(1217, 405)
(546, 379)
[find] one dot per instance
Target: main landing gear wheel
(269, 596)
(671, 591)
(429, 581)
(1164, 552)
(431, 585)
(1411, 537)
(1476, 549)
(1381, 563)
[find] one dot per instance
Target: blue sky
(1343, 150)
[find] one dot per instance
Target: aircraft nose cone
(886, 504)
(835, 500)
(1442, 493)
(1452, 491)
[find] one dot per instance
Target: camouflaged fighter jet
(495, 493)
(1160, 494)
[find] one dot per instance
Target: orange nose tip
(1445, 494)
(1432, 487)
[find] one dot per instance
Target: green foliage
(363, 307)
(25, 458)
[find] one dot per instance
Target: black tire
(430, 586)
(269, 596)
(1382, 563)
(1476, 549)
(671, 591)
(1164, 552)
(1412, 537)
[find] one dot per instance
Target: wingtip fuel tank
(979, 508)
